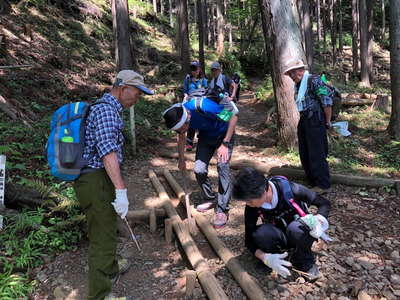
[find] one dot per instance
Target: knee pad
(200, 167)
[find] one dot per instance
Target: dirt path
(364, 225)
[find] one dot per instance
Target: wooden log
(207, 279)
(168, 230)
(246, 282)
(142, 216)
(382, 103)
(356, 102)
(174, 184)
(152, 221)
(190, 276)
(337, 178)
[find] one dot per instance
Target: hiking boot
(189, 147)
(313, 273)
(205, 206)
(220, 220)
(123, 266)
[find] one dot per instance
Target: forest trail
(364, 254)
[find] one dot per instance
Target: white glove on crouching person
(276, 262)
(121, 203)
(318, 224)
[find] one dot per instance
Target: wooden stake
(190, 282)
(207, 279)
(168, 230)
(143, 215)
(246, 282)
(152, 221)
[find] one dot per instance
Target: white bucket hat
(294, 64)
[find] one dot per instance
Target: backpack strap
(288, 194)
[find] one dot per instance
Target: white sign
(2, 179)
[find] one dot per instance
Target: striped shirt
(103, 135)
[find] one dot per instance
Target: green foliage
(265, 91)
(231, 65)
(14, 286)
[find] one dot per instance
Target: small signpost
(2, 185)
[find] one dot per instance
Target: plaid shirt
(318, 95)
(104, 131)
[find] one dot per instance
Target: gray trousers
(206, 148)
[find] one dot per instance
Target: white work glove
(121, 203)
(276, 262)
(318, 224)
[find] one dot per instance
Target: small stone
(363, 295)
(349, 261)
(369, 233)
(395, 279)
(365, 264)
(395, 254)
(285, 294)
(300, 280)
(59, 293)
(396, 293)
(309, 297)
(343, 298)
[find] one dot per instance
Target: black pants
(206, 147)
(313, 148)
(271, 239)
(190, 135)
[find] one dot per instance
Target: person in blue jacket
(216, 120)
(194, 84)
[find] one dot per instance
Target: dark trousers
(95, 193)
(271, 239)
(206, 147)
(190, 135)
(313, 148)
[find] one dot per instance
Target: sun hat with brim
(129, 77)
(215, 65)
(293, 65)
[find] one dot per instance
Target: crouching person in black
(286, 224)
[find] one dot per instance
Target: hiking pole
(132, 235)
(191, 222)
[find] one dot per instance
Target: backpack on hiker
(66, 142)
(336, 96)
(236, 79)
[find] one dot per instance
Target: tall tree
(220, 26)
(394, 124)
(171, 21)
(212, 24)
(123, 48)
(183, 35)
(370, 20)
(354, 40)
(308, 35)
(340, 10)
(284, 37)
(319, 24)
(200, 23)
(333, 21)
(155, 7)
(365, 80)
(383, 25)
(206, 22)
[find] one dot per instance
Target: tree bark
(333, 19)
(171, 21)
(183, 36)
(201, 32)
(383, 25)
(324, 22)
(308, 35)
(394, 123)
(250, 36)
(212, 25)
(319, 25)
(365, 80)
(370, 20)
(340, 11)
(285, 38)
(155, 7)
(206, 22)
(161, 7)
(220, 27)
(354, 40)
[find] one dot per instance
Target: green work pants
(95, 193)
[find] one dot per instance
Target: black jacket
(283, 214)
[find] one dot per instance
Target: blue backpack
(66, 142)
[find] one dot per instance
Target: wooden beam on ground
(246, 282)
(168, 230)
(142, 216)
(15, 67)
(207, 279)
(190, 282)
(292, 173)
(152, 221)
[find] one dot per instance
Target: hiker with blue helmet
(215, 119)
(100, 189)
(286, 223)
(314, 102)
(222, 83)
(195, 84)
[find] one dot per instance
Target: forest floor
(363, 256)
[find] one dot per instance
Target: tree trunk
(333, 19)
(285, 38)
(394, 124)
(155, 7)
(370, 20)
(171, 21)
(340, 10)
(201, 33)
(212, 25)
(250, 36)
(220, 27)
(308, 35)
(365, 80)
(206, 22)
(161, 7)
(383, 25)
(354, 40)
(324, 22)
(319, 25)
(300, 12)
(183, 36)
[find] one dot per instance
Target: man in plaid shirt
(100, 189)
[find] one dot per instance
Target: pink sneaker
(220, 220)
(205, 206)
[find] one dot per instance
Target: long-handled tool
(191, 221)
(132, 235)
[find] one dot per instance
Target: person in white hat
(222, 83)
(101, 190)
(314, 103)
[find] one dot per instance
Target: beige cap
(129, 77)
(294, 64)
